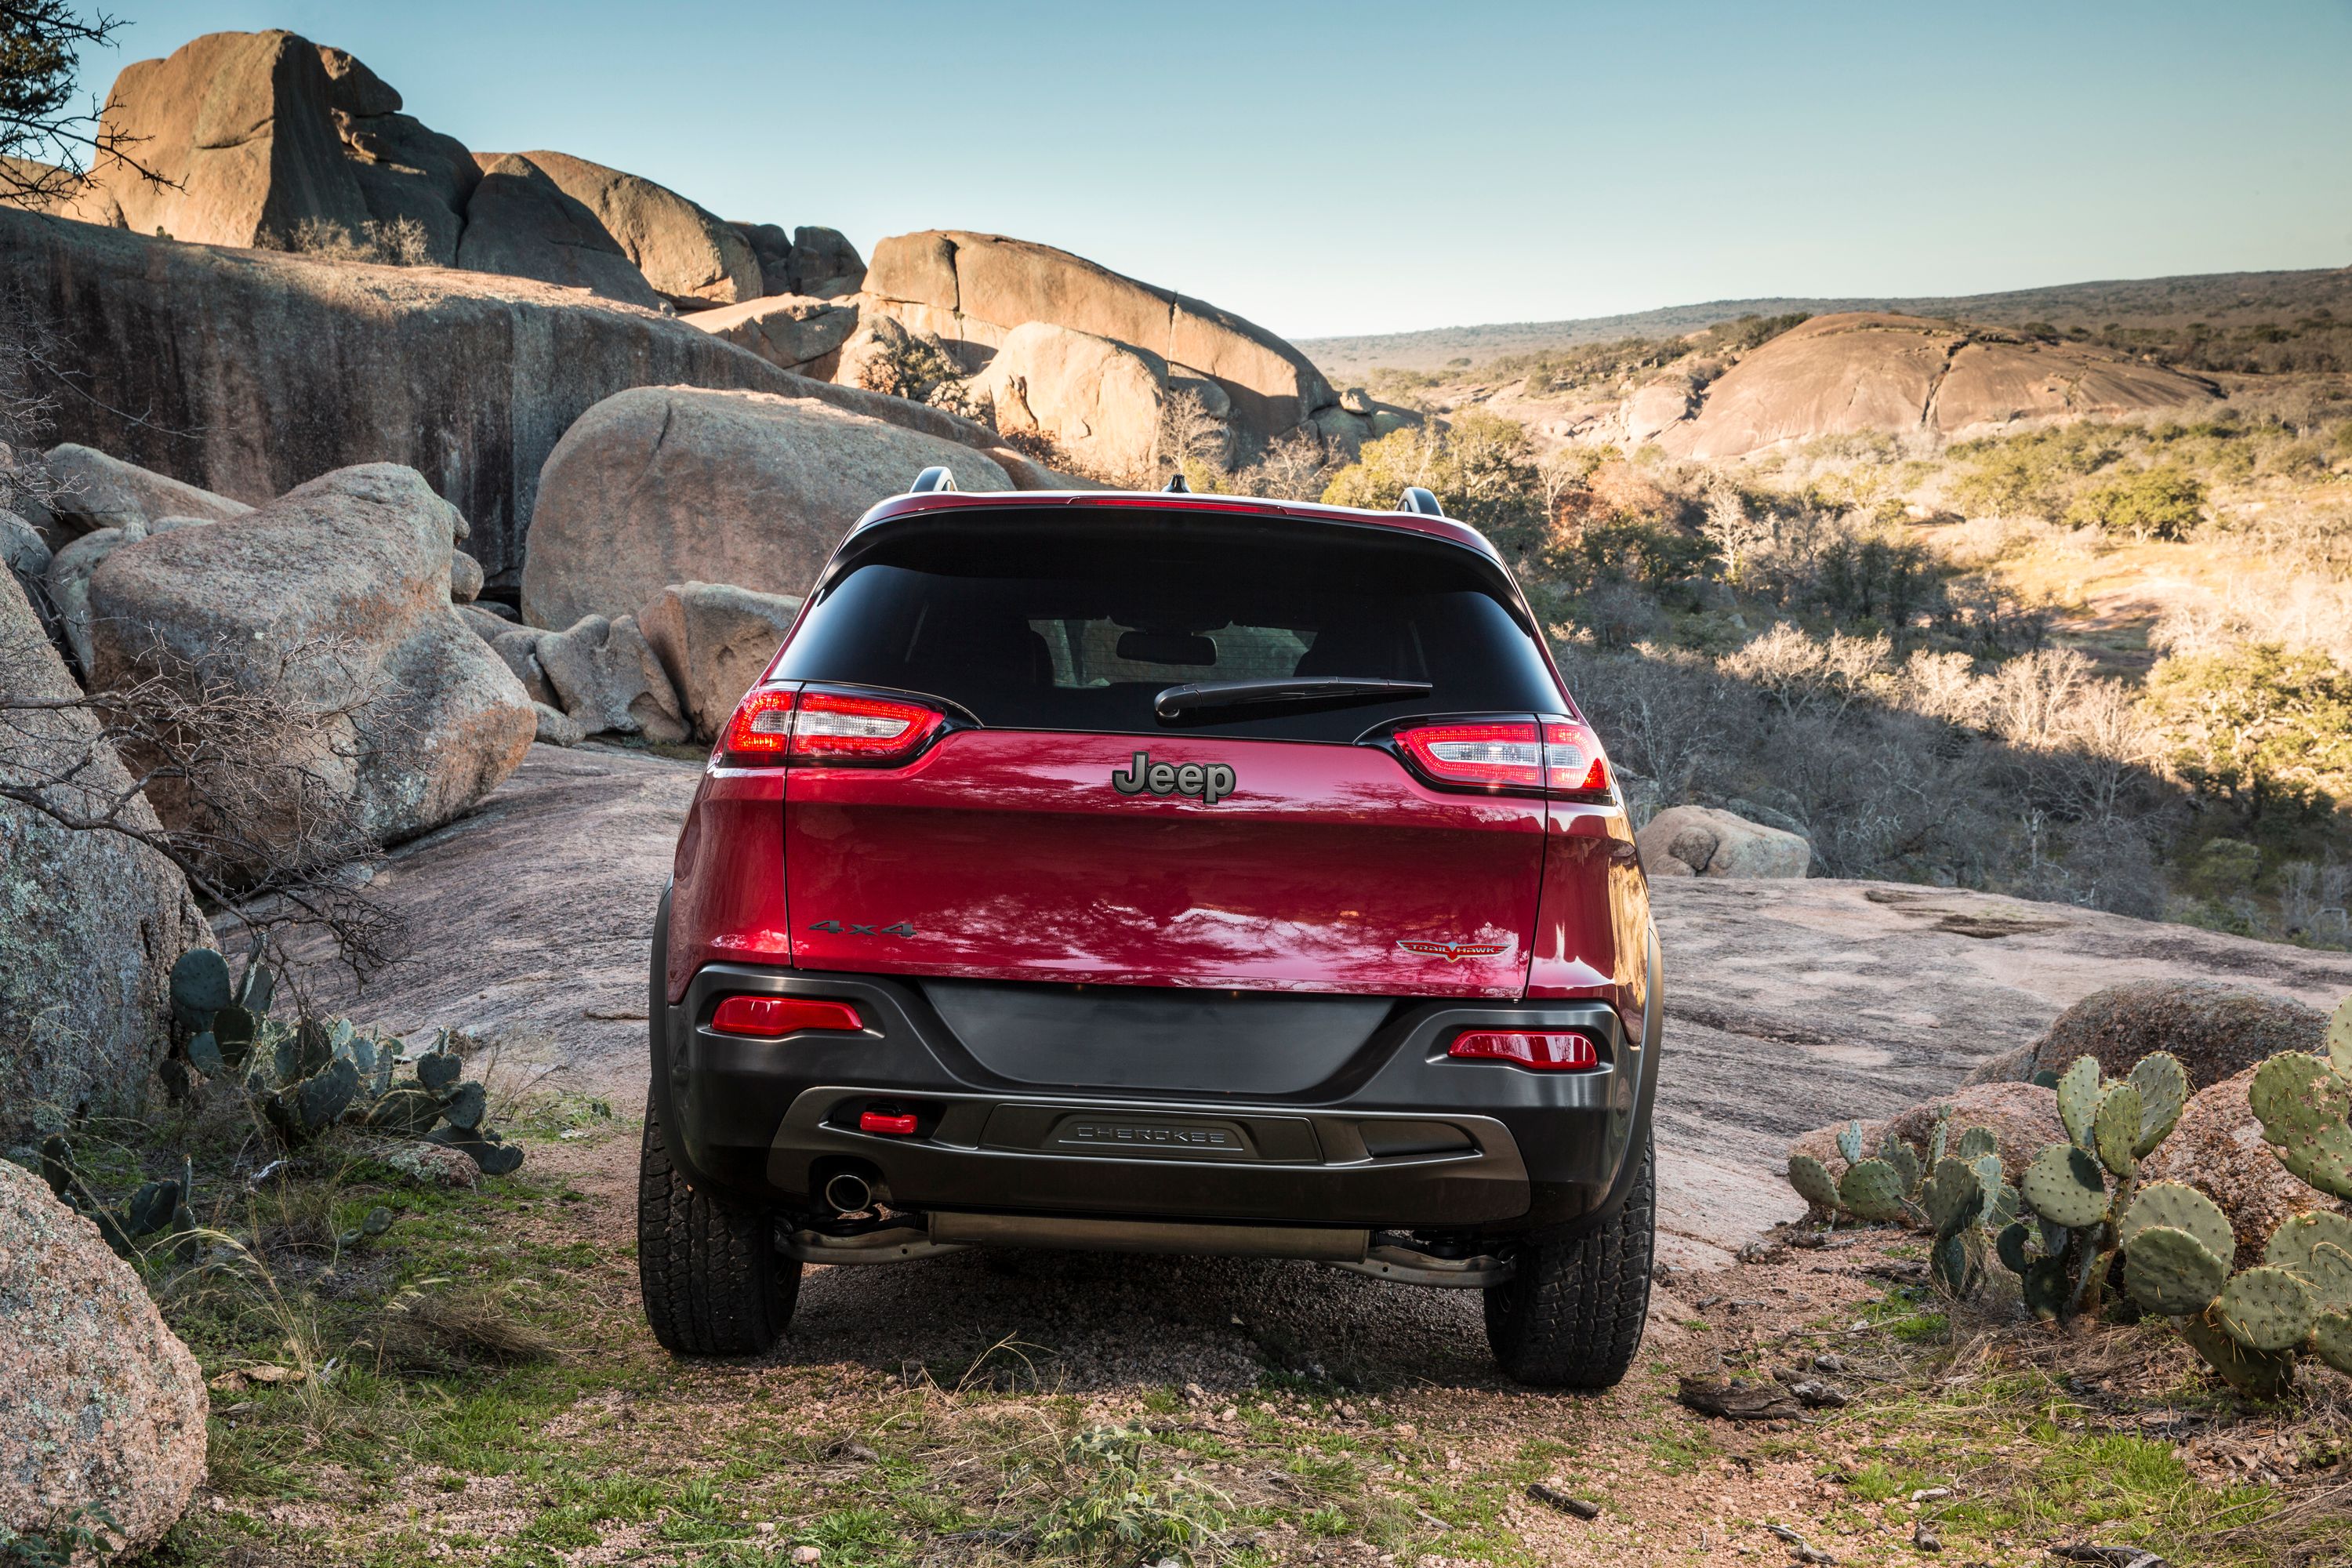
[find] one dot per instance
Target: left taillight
(772, 1018)
(1555, 756)
(774, 727)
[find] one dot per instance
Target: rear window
(1077, 625)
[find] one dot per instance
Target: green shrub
(2266, 729)
(2164, 502)
(1481, 468)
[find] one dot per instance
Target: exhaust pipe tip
(847, 1192)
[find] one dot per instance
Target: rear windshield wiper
(1302, 691)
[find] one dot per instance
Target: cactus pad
(1849, 1143)
(2169, 1271)
(2291, 1244)
(232, 1032)
(2115, 1130)
(1905, 1161)
(1872, 1189)
(199, 986)
(494, 1157)
(2258, 1374)
(2340, 1039)
(2265, 1308)
(2323, 1159)
(2163, 1088)
(437, 1070)
(2066, 1187)
(2181, 1207)
(1953, 1198)
(204, 1056)
(1958, 1260)
(1940, 1137)
(1976, 1143)
(2295, 1095)
(258, 987)
(2329, 1275)
(1813, 1183)
(303, 1110)
(465, 1107)
(2044, 1286)
(2010, 1245)
(2331, 1340)
(2078, 1099)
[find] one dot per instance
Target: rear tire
(708, 1267)
(1572, 1315)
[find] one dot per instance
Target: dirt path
(1789, 1005)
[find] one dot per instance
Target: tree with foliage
(49, 148)
(2163, 502)
(2267, 730)
(1481, 468)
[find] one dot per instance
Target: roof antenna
(1177, 485)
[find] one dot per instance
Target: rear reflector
(892, 1123)
(1546, 1050)
(771, 1017)
(1501, 756)
(835, 728)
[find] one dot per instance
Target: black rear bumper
(1400, 1137)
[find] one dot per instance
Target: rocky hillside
(2218, 299)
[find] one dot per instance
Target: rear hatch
(1072, 813)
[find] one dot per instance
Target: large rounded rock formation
(2215, 1029)
(102, 1409)
(335, 596)
(973, 289)
(682, 250)
(1865, 370)
(90, 922)
(1097, 402)
(715, 639)
(1703, 841)
(662, 484)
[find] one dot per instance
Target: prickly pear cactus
(1813, 1183)
(2304, 1104)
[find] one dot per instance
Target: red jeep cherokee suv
(1161, 873)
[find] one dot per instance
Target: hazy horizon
(1389, 169)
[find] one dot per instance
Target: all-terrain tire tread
(1572, 1316)
(707, 1269)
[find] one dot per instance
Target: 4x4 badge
(1210, 781)
(837, 929)
(1449, 950)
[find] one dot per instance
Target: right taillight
(1556, 756)
(1544, 1050)
(776, 727)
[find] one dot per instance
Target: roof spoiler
(939, 476)
(1415, 499)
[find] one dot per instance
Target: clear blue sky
(1370, 166)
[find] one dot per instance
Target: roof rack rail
(1177, 485)
(938, 476)
(1418, 499)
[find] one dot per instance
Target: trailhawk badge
(1211, 782)
(1449, 950)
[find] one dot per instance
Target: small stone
(807, 1554)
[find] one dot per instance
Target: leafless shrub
(1661, 713)
(1807, 675)
(436, 1326)
(48, 150)
(241, 784)
(28, 402)
(402, 242)
(1190, 435)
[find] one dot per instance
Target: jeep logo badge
(1211, 782)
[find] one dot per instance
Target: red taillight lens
(762, 727)
(832, 728)
(1573, 762)
(1546, 1050)
(891, 1123)
(1498, 755)
(772, 1018)
(1558, 758)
